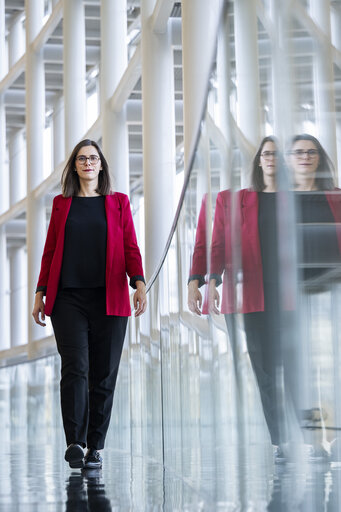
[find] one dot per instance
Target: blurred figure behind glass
(255, 230)
(318, 224)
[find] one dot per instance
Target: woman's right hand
(194, 299)
(213, 298)
(39, 309)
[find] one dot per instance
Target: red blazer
(123, 256)
(243, 236)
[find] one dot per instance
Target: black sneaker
(92, 459)
(74, 455)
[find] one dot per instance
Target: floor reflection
(202, 467)
(85, 491)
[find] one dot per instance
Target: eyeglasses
(93, 159)
(267, 155)
(300, 153)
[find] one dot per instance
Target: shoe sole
(92, 465)
(74, 456)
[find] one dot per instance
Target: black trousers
(263, 344)
(271, 343)
(90, 345)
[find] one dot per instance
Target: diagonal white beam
(13, 74)
(49, 27)
(127, 82)
(162, 11)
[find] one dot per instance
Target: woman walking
(90, 248)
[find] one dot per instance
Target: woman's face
(268, 159)
(304, 159)
(88, 163)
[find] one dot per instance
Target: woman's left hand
(140, 298)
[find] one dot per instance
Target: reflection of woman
(318, 211)
(90, 247)
(318, 208)
(256, 226)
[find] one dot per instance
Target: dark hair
(324, 178)
(70, 179)
(257, 178)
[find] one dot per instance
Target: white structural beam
(17, 167)
(127, 82)
(198, 17)
(324, 79)
(49, 26)
(3, 164)
(74, 72)
(114, 60)
(3, 173)
(282, 79)
(14, 73)
(223, 93)
(16, 40)
(162, 11)
(2, 40)
(158, 136)
(58, 132)
(336, 39)
(35, 124)
(4, 334)
(247, 76)
(13, 212)
(18, 300)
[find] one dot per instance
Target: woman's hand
(140, 298)
(194, 299)
(39, 308)
(213, 297)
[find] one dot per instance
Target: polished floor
(196, 468)
(35, 478)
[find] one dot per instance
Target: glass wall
(234, 371)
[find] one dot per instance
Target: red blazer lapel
(113, 210)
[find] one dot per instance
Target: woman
(318, 213)
(318, 208)
(90, 248)
(252, 239)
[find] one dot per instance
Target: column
(58, 132)
(18, 303)
(35, 122)
(4, 334)
(247, 77)
(324, 80)
(3, 165)
(2, 40)
(158, 136)
(198, 17)
(74, 73)
(17, 166)
(113, 64)
(3, 169)
(336, 40)
(223, 95)
(16, 40)
(282, 79)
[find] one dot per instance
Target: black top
(267, 228)
(85, 244)
(318, 249)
